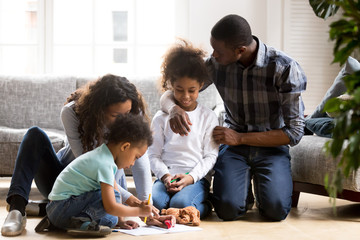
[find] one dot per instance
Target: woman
(88, 113)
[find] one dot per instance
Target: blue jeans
(271, 171)
(321, 126)
(37, 160)
(192, 195)
(88, 204)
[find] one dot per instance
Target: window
(19, 49)
(124, 37)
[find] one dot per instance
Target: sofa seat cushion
(310, 164)
(10, 139)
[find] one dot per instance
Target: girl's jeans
(192, 195)
(271, 172)
(88, 204)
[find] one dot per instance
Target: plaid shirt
(263, 96)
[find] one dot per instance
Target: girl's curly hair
(183, 60)
(92, 100)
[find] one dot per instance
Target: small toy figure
(169, 224)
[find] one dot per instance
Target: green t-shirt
(85, 173)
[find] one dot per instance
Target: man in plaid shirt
(261, 88)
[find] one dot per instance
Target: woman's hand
(127, 224)
(160, 221)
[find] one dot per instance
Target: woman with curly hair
(87, 115)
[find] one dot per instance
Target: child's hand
(155, 212)
(145, 209)
(127, 224)
(166, 179)
(182, 180)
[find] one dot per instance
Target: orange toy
(189, 215)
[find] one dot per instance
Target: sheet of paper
(152, 230)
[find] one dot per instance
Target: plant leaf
(324, 8)
(332, 105)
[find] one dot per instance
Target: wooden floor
(313, 219)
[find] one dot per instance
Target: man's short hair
(234, 30)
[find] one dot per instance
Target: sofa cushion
(33, 100)
(310, 164)
(149, 88)
(82, 80)
(10, 140)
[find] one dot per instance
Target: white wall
(203, 14)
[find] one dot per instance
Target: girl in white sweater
(183, 164)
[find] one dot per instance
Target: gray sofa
(37, 100)
(310, 164)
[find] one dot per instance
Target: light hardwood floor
(313, 219)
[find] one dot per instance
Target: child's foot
(44, 225)
(84, 227)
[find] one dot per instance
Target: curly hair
(92, 100)
(183, 60)
(130, 128)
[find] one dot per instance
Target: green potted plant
(346, 133)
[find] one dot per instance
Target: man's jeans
(192, 195)
(88, 204)
(271, 171)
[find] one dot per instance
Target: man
(261, 89)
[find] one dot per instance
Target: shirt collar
(261, 53)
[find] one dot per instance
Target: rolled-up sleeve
(293, 83)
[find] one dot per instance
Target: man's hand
(223, 135)
(179, 121)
